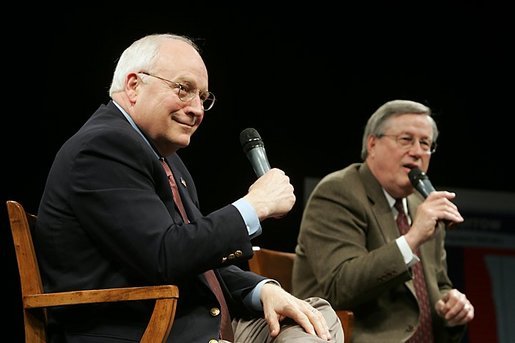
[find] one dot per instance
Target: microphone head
(249, 139)
(416, 175)
(421, 182)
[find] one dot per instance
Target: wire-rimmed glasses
(187, 93)
(407, 141)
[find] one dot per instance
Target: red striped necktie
(226, 332)
(424, 331)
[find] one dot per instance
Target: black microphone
(421, 182)
(254, 148)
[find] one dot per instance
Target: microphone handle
(425, 187)
(258, 160)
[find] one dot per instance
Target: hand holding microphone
(271, 194)
(421, 182)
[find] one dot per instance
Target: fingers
(272, 195)
(305, 317)
(312, 321)
(444, 208)
(309, 318)
(273, 319)
(465, 315)
(455, 308)
(319, 323)
(460, 313)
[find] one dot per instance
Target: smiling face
(155, 105)
(390, 159)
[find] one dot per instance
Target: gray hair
(140, 56)
(378, 121)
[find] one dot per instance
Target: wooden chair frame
(35, 300)
(278, 265)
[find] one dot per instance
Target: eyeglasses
(187, 93)
(407, 141)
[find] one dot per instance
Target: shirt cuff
(249, 217)
(253, 299)
(409, 257)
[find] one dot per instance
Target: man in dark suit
(350, 249)
(108, 217)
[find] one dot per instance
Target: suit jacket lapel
(380, 206)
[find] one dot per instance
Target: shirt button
(214, 311)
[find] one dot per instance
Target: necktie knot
(402, 219)
(175, 191)
(399, 206)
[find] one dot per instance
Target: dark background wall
(306, 78)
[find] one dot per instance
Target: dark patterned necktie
(424, 332)
(226, 332)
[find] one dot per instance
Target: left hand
(455, 308)
(279, 304)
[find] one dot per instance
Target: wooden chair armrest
(100, 295)
(161, 321)
(347, 319)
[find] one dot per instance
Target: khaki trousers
(256, 330)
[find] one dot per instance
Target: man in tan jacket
(350, 250)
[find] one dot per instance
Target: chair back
(278, 265)
(22, 224)
(35, 301)
(274, 264)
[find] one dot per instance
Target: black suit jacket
(107, 219)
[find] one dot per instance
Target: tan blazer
(346, 253)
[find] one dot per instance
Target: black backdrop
(306, 78)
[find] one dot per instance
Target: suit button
(231, 256)
(224, 259)
(214, 311)
(238, 253)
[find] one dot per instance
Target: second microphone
(254, 148)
